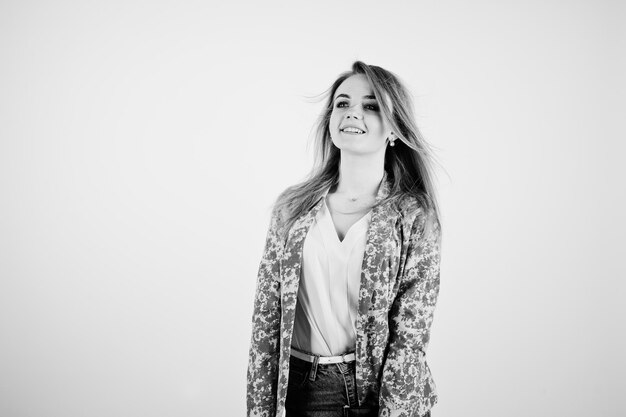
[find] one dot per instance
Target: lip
(341, 129)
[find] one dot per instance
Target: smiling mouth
(352, 130)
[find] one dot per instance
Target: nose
(354, 112)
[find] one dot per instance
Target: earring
(391, 143)
(391, 140)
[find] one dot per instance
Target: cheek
(376, 125)
(334, 121)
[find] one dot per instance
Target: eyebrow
(347, 96)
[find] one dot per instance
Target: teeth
(353, 130)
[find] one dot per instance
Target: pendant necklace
(351, 199)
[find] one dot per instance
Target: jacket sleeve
(405, 389)
(262, 375)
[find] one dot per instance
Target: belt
(324, 360)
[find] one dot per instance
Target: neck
(360, 174)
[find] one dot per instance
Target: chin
(356, 150)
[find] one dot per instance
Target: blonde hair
(409, 164)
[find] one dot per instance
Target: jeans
(325, 391)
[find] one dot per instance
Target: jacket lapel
(378, 233)
(290, 267)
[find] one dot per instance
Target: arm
(410, 319)
(265, 342)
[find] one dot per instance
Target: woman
(349, 278)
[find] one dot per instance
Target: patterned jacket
(397, 296)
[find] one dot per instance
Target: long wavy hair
(409, 164)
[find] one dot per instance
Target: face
(356, 123)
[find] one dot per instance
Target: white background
(142, 143)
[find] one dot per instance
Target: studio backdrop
(143, 143)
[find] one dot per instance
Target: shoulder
(413, 208)
(418, 216)
(282, 207)
(278, 216)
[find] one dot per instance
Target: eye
(341, 103)
(372, 107)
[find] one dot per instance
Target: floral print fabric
(397, 297)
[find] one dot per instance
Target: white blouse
(326, 311)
